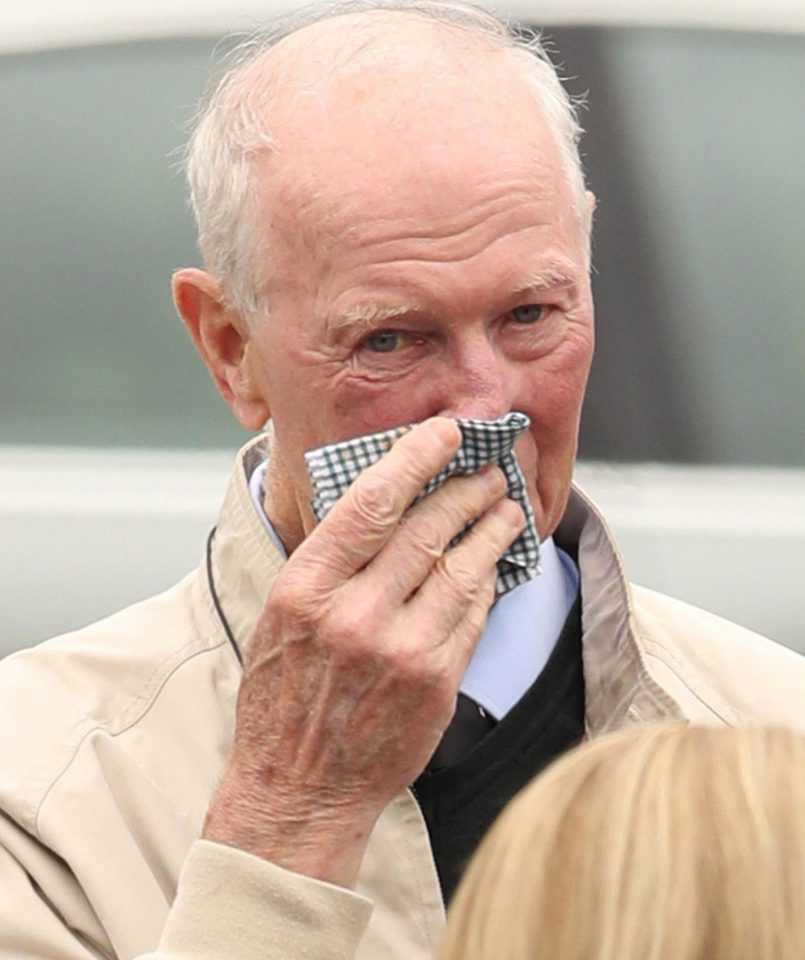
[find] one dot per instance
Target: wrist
(326, 842)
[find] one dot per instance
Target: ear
(592, 202)
(221, 337)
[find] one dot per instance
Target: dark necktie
(470, 724)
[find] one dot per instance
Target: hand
(352, 673)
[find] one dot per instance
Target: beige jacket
(112, 737)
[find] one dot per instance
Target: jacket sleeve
(229, 906)
(31, 926)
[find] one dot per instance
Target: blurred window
(694, 148)
(94, 221)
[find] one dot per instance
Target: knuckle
(510, 515)
(415, 670)
(496, 481)
(425, 535)
(352, 634)
(478, 611)
(498, 529)
(461, 576)
(489, 590)
(293, 593)
(476, 619)
(374, 499)
(286, 608)
(295, 608)
(462, 500)
(347, 627)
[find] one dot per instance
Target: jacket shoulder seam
(139, 707)
(707, 698)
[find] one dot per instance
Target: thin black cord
(217, 602)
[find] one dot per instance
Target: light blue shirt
(521, 630)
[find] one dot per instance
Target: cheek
(298, 396)
(552, 396)
(325, 403)
(366, 407)
(526, 450)
(556, 393)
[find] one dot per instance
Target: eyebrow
(365, 313)
(369, 314)
(546, 279)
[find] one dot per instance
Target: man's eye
(529, 313)
(385, 341)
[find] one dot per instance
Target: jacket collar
(244, 561)
(618, 687)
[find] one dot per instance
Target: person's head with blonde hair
(664, 843)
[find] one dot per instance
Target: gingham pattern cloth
(333, 468)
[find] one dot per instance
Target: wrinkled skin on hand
(352, 674)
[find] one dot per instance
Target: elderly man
(254, 764)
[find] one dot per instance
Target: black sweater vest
(459, 803)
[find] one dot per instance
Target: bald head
(382, 101)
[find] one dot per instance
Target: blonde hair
(663, 843)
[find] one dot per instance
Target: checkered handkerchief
(333, 468)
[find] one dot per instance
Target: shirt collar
(520, 634)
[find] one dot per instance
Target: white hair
(231, 128)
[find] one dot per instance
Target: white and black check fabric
(333, 468)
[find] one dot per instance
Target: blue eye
(529, 313)
(384, 341)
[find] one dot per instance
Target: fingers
(425, 531)
(365, 518)
(460, 588)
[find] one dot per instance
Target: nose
(479, 384)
